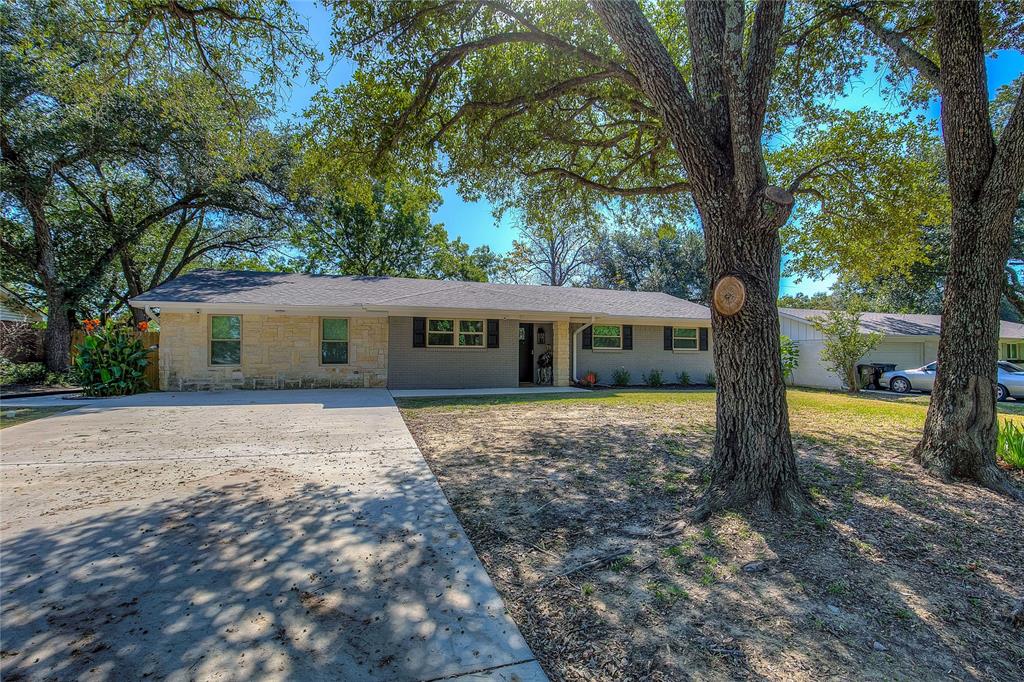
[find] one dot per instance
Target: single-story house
(20, 343)
(909, 341)
(223, 329)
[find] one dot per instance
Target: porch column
(560, 367)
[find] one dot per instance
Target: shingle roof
(225, 287)
(898, 324)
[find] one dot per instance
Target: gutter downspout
(575, 335)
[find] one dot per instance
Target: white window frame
(347, 342)
(210, 340)
(696, 340)
(1014, 355)
(457, 332)
(595, 335)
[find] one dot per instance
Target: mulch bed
(908, 578)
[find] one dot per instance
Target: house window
(471, 333)
(225, 340)
(333, 341)
(440, 332)
(684, 338)
(607, 336)
(1011, 351)
(464, 333)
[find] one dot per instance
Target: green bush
(683, 378)
(19, 373)
(710, 379)
(654, 378)
(111, 361)
(790, 351)
(620, 377)
(1010, 448)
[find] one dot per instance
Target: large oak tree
(943, 46)
(667, 103)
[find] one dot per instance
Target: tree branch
(671, 188)
(910, 57)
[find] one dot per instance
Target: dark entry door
(526, 352)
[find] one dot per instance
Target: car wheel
(899, 385)
(1001, 393)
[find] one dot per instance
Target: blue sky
(475, 224)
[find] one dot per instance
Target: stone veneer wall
(278, 351)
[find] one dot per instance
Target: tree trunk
(57, 337)
(753, 463)
(960, 431)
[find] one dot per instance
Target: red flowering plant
(143, 326)
(110, 360)
(589, 379)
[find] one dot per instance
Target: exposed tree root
(788, 499)
(938, 463)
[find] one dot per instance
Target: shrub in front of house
(654, 378)
(620, 377)
(683, 378)
(21, 373)
(111, 360)
(710, 379)
(589, 379)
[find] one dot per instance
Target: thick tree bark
(753, 464)
(57, 337)
(960, 431)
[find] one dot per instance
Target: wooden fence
(150, 340)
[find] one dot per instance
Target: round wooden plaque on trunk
(729, 296)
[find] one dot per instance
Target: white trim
(575, 354)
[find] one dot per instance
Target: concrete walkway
(239, 535)
(463, 392)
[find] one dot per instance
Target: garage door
(903, 355)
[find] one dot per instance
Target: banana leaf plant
(110, 361)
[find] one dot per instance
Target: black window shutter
(627, 337)
(419, 332)
(492, 333)
(588, 337)
(668, 338)
(703, 338)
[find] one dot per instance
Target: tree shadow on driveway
(254, 573)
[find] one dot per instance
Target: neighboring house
(223, 329)
(910, 341)
(13, 308)
(17, 342)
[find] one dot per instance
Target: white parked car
(1009, 378)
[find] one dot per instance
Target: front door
(526, 352)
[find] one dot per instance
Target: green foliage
(790, 352)
(1010, 448)
(12, 373)
(845, 345)
(648, 259)
(590, 378)
(654, 378)
(388, 235)
(111, 361)
(874, 187)
(710, 379)
(683, 378)
(620, 377)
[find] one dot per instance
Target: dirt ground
(907, 578)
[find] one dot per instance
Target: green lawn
(12, 416)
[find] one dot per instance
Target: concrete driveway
(239, 535)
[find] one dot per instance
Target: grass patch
(12, 416)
